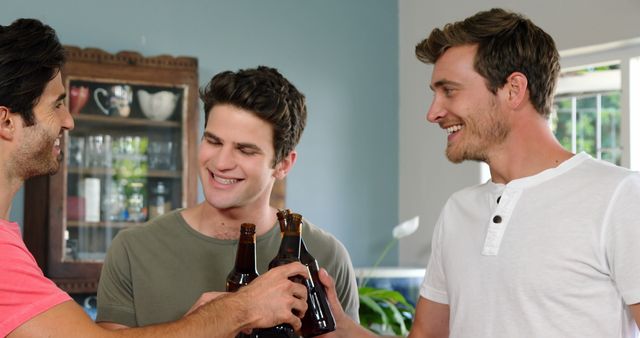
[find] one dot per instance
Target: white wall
(426, 177)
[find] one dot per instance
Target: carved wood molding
(77, 285)
(96, 55)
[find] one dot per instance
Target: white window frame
(627, 54)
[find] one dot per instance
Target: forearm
(213, 320)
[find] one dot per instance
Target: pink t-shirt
(24, 291)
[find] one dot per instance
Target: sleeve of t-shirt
(622, 224)
(434, 284)
(24, 290)
(346, 285)
(115, 290)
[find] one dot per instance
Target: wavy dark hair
(507, 42)
(267, 94)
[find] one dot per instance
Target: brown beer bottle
(289, 252)
(244, 270)
(318, 319)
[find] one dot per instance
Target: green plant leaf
(372, 305)
(384, 310)
(398, 320)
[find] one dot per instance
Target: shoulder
(605, 178)
(158, 229)
(597, 168)
(154, 226)
(326, 248)
(314, 236)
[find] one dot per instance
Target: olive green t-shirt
(155, 273)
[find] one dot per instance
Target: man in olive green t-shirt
(158, 272)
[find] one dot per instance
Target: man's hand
(204, 299)
(345, 326)
(273, 299)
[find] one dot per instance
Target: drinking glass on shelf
(98, 151)
(161, 155)
(76, 151)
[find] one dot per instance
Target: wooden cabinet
(130, 157)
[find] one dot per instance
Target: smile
(453, 129)
(225, 181)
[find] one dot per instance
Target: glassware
(136, 208)
(159, 204)
(76, 151)
(161, 155)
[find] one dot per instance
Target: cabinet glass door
(124, 161)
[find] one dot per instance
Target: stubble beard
(482, 131)
(34, 157)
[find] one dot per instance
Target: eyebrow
(61, 97)
(443, 82)
(241, 145)
(210, 135)
(249, 146)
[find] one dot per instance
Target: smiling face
(463, 106)
(38, 146)
(236, 159)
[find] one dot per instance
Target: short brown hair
(264, 92)
(507, 42)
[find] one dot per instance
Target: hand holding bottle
(273, 298)
(345, 326)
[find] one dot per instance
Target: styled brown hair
(30, 57)
(507, 42)
(264, 92)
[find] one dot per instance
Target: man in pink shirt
(33, 117)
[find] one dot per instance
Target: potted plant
(387, 311)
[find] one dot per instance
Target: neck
(9, 186)
(529, 149)
(225, 224)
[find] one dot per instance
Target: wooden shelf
(111, 171)
(126, 121)
(116, 225)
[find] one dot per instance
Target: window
(587, 112)
(597, 102)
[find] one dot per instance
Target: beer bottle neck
(290, 245)
(246, 254)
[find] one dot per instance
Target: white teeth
(224, 180)
(453, 129)
(56, 143)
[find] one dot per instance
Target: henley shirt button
(497, 219)
(498, 201)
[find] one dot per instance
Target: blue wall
(342, 54)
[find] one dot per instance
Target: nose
(67, 120)
(436, 112)
(224, 159)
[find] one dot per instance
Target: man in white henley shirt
(548, 248)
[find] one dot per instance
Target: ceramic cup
(158, 106)
(78, 97)
(117, 100)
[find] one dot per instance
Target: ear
(515, 89)
(283, 167)
(7, 123)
